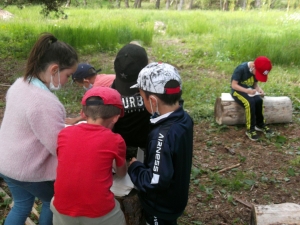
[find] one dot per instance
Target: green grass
(205, 46)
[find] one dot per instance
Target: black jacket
(163, 180)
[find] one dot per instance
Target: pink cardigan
(33, 118)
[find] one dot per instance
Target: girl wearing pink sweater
(32, 120)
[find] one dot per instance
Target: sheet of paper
(256, 93)
(140, 155)
(121, 186)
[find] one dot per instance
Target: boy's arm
(156, 173)
(237, 87)
(257, 88)
(121, 170)
(119, 163)
(72, 121)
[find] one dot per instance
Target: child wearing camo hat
(163, 179)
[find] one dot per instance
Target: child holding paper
(246, 92)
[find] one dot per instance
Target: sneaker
(252, 135)
(264, 129)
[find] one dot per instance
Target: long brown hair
(49, 50)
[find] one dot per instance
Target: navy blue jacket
(163, 179)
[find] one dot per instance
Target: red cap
(262, 68)
(108, 95)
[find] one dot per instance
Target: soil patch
(265, 173)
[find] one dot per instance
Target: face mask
(51, 85)
(88, 88)
(154, 114)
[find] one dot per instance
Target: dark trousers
(253, 109)
(153, 220)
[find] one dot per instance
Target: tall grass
(89, 31)
(205, 46)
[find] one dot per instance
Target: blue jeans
(24, 194)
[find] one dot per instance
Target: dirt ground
(262, 173)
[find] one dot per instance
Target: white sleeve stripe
(155, 179)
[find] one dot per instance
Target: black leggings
(253, 109)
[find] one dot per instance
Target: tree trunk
(276, 110)
(191, 4)
(84, 2)
(285, 213)
(167, 4)
(68, 3)
(257, 3)
(157, 4)
(118, 3)
(225, 5)
(126, 4)
(132, 208)
(137, 4)
(179, 7)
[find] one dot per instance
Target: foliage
(48, 6)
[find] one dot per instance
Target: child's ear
(54, 68)
(86, 81)
(153, 100)
(115, 118)
(82, 114)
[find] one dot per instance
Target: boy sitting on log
(246, 92)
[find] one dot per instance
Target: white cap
(154, 77)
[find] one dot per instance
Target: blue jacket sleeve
(157, 171)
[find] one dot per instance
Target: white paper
(121, 186)
(256, 93)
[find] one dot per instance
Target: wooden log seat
(276, 110)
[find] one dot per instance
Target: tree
(76, 3)
(48, 6)
(179, 7)
(157, 4)
(137, 4)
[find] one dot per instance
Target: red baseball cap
(108, 95)
(263, 66)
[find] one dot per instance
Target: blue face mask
(88, 88)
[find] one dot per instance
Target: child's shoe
(264, 129)
(252, 135)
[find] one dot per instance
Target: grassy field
(205, 46)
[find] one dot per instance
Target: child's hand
(262, 93)
(251, 91)
(71, 121)
(132, 160)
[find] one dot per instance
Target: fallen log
(285, 213)
(276, 110)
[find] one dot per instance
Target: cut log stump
(132, 208)
(276, 214)
(276, 110)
